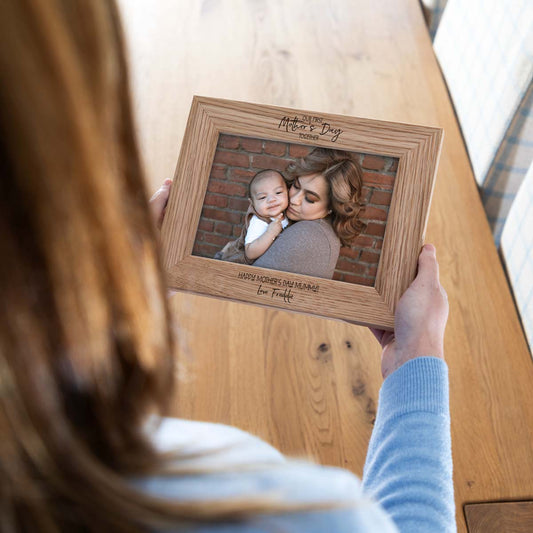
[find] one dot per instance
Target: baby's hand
(275, 227)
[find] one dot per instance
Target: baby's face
(270, 196)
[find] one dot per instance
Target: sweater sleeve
(408, 468)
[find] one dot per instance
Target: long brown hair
(345, 179)
(85, 351)
(85, 346)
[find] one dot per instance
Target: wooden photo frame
(227, 142)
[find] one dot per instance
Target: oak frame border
(417, 149)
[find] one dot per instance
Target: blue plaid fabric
(433, 10)
(517, 250)
(485, 48)
(509, 166)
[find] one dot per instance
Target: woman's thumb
(427, 262)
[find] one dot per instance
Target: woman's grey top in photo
(308, 247)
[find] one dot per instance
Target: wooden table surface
(307, 385)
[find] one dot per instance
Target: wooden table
(307, 385)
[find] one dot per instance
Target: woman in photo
(324, 208)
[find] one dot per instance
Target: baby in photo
(268, 198)
(264, 220)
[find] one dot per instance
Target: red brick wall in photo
(238, 159)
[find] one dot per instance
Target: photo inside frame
(238, 159)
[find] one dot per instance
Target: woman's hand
(158, 203)
(158, 206)
(420, 318)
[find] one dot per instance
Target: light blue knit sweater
(407, 482)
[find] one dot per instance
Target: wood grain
(417, 149)
(240, 363)
(499, 517)
(307, 385)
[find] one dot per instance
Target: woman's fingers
(428, 267)
(378, 333)
(383, 337)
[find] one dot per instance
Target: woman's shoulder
(226, 452)
(208, 442)
(314, 229)
(254, 469)
(319, 225)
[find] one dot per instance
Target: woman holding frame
(86, 348)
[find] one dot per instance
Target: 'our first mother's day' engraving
(310, 128)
